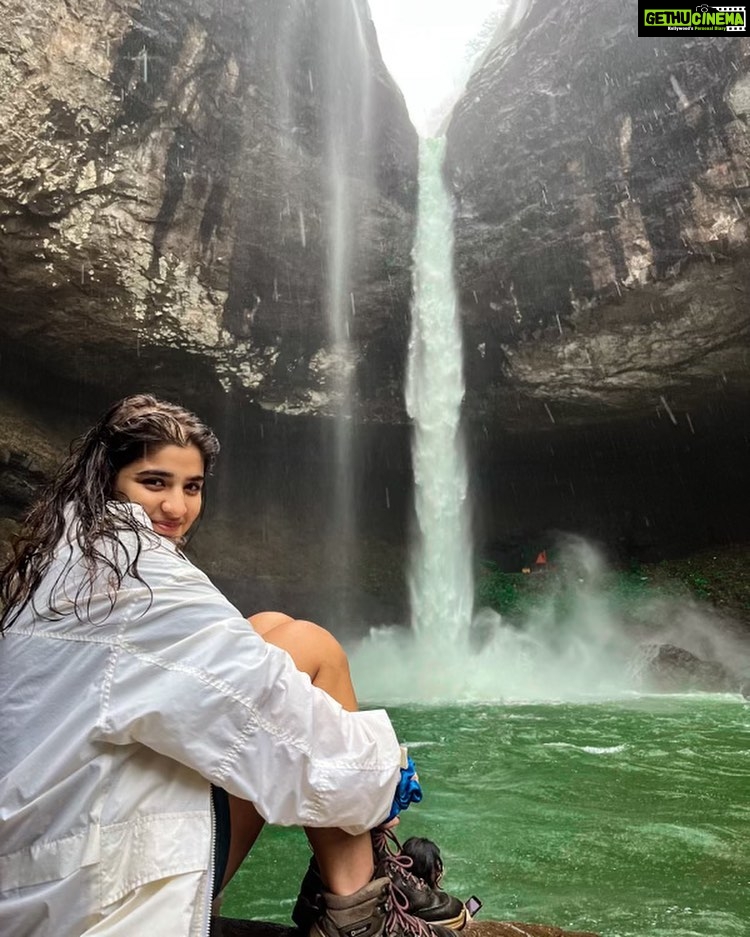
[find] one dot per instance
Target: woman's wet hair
(142, 424)
(131, 429)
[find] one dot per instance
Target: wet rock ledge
(227, 927)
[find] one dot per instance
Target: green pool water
(630, 818)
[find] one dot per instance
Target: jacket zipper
(211, 874)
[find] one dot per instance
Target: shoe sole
(455, 923)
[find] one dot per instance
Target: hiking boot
(416, 897)
(423, 900)
(373, 911)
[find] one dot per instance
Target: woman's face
(168, 484)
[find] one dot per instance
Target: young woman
(134, 695)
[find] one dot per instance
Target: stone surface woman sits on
(148, 732)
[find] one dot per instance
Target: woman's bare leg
(314, 650)
(245, 827)
(346, 862)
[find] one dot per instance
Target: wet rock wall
(602, 193)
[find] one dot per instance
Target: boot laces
(398, 921)
(393, 861)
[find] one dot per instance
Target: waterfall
(433, 659)
(441, 576)
(347, 171)
(339, 226)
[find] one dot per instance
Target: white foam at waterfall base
(581, 640)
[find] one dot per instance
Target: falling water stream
(347, 170)
(345, 136)
(441, 578)
(416, 664)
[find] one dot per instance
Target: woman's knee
(263, 622)
(317, 653)
(330, 660)
(308, 642)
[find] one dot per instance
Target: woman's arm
(192, 681)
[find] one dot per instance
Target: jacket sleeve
(190, 678)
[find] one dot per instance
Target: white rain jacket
(112, 728)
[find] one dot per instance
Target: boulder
(668, 668)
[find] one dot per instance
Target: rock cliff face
(187, 189)
(602, 195)
(602, 184)
(167, 171)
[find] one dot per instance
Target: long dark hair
(84, 484)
